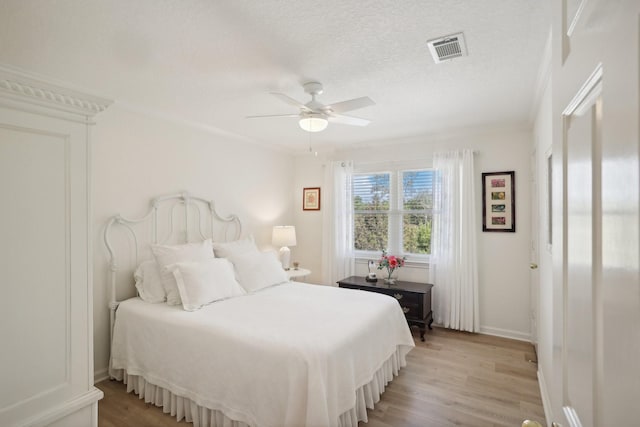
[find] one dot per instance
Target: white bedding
(290, 355)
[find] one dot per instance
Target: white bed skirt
(200, 416)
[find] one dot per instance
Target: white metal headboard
(192, 213)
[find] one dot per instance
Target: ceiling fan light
(313, 123)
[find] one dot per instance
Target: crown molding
(22, 86)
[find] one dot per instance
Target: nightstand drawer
(406, 298)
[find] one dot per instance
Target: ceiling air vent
(446, 48)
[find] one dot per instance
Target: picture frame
(499, 201)
(311, 199)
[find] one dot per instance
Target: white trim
(392, 165)
(46, 418)
(576, 18)
(23, 86)
(100, 375)
(411, 262)
(544, 394)
(572, 416)
(587, 94)
(506, 333)
(498, 332)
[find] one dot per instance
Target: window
(392, 210)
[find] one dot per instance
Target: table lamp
(284, 236)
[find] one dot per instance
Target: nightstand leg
(422, 333)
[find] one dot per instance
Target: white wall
(503, 257)
(309, 172)
(137, 157)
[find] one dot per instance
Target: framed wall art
(311, 199)
(499, 201)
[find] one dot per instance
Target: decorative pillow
(237, 247)
(201, 283)
(258, 270)
(167, 255)
(149, 283)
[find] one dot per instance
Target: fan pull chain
(315, 153)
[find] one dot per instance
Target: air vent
(446, 48)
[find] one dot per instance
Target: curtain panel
(453, 263)
(337, 234)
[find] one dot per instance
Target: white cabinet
(46, 317)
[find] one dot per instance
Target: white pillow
(201, 283)
(259, 270)
(167, 255)
(149, 283)
(237, 247)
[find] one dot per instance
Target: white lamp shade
(313, 122)
(284, 235)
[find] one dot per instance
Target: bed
(275, 353)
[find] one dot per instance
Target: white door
(582, 126)
(534, 279)
(596, 237)
(544, 306)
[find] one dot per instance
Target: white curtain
(337, 234)
(453, 263)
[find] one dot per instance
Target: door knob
(533, 266)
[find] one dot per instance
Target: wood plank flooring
(451, 379)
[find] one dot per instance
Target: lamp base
(285, 257)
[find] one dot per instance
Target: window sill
(409, 263)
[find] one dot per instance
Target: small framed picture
(311, 199)
(499, 201)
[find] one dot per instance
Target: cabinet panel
(35, 265)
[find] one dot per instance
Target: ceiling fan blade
(289, 100)
(352, 104)
(348, 120)
(273, 115)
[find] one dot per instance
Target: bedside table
(299, 273)
(414, 298)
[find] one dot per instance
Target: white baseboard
(100, 375)
(546, 401)
(505, 333)
(56, 415)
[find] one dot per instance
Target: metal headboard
(192, 212)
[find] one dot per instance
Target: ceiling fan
(315, 116)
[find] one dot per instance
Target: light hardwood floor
(452, 379)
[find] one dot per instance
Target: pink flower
(393, 262)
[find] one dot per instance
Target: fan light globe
(313, 122)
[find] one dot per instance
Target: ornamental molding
(19, 85)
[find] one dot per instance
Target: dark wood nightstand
(414, 298)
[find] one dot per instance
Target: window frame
(395, 213)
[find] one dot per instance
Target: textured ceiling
(214, 62)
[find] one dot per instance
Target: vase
(391, 278)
